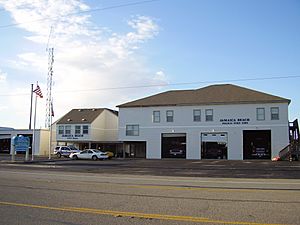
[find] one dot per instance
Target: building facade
(41, 140)
(215, 122)
(88, 128)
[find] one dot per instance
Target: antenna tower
(48, 117)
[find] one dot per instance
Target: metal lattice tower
(49, 88)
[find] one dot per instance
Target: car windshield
(96, 150)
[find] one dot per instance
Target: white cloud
(2, 76)
(160, 75)
(86, 56)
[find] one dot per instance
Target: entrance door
(5, 144)
(135, 149)
(173, 145)
(214, 146)
(257, 144)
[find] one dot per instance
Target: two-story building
(215, 122)
(88, 128)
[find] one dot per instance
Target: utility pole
(49, 109)
(49, 88)
(49, 99)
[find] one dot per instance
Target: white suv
(65, 151)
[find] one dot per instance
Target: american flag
(52, 111)
(38, 91)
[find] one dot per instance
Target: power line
(167, 85)
(82, 12)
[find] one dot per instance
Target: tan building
(89, 128)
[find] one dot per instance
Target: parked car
(65, 151)
(93, 154)
(176, 152)
(110, 154)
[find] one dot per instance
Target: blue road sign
(21, 143)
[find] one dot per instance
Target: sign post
(21, 144)
(13, 150)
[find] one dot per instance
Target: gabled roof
(6, 128)
(80, 116)
(210, 95)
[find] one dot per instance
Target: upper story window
(77, 129)
(209, 115)
(156, 116)
(132, 130)
(68, 129)
(60, 129)
(170, 115)
(274, 113)
(85, 129)
(260, 113)
(197, 115)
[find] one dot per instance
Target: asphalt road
(166, 167)
(45, 195)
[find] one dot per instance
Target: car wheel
(75, 157)
(58, 155)
(94, 157)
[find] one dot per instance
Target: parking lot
(166, 167)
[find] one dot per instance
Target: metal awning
(5, 136)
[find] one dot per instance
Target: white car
(89, 154)
(65, 151)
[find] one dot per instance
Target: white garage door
(214, 137)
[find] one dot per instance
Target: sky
(108, 52)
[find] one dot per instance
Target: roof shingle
(83, 116)
(210, 95)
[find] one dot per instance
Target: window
(85, 129)
(132, 130)
(77, 129)
(260, 113)
(68, 129)
(209, 115)
(170, 115)
(197, 115)
(156, 116)
(274, 113)
(60, 129)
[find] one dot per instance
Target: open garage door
(173, 145)
(257, 144)
(214, 146)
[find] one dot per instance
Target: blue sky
(160, 42)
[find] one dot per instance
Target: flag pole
(33, 136)
(30, 107)
(37, 92)
(50, 136)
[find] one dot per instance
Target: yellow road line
(133, 214)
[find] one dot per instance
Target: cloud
(160, 75)
(2, 76)
(86, 56)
